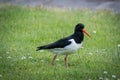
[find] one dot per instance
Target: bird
(67, 45)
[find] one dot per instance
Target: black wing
(58, 44)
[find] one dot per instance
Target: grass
(22, 29)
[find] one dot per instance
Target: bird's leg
(53, 59)
(66, 61)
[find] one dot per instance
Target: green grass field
(22, 29)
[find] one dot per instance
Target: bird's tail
(40, 48)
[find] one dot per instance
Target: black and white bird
(67, 45)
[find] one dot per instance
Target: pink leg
(66, 61)
(53, 59)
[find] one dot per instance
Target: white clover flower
(30, 57)
(82, 47)
(57, 59)
(118, 45)
(12, 64)
(103, 49)
(42, 60)
(7, 52)
(100, 78)
(9, 57)
(23, 57)
(94, 31)
(90, 53)
(41, 50)
(113, 76)
(107, 79)
(105, 72)
(0, 75)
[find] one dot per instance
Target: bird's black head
(79, 27)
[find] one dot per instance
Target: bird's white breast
(74, 46)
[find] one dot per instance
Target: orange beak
(86, 32)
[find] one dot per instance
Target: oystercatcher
(67, 45)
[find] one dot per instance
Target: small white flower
(100, 78)
(106, 79)
(7, 52)
(12, 64)
(9, 57)
(30, 57)
(118, 79)
(89, 79)
(41, 50)
(82, 47)
(23, 57)
(118, 45)
(42, 60)
(103, 49)
(94, 32)
(105, 72)
(113, 76)
(57, 59)
(90, 53)
(0, 75)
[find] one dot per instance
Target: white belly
(68, 49)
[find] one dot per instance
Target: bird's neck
(78, 37)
